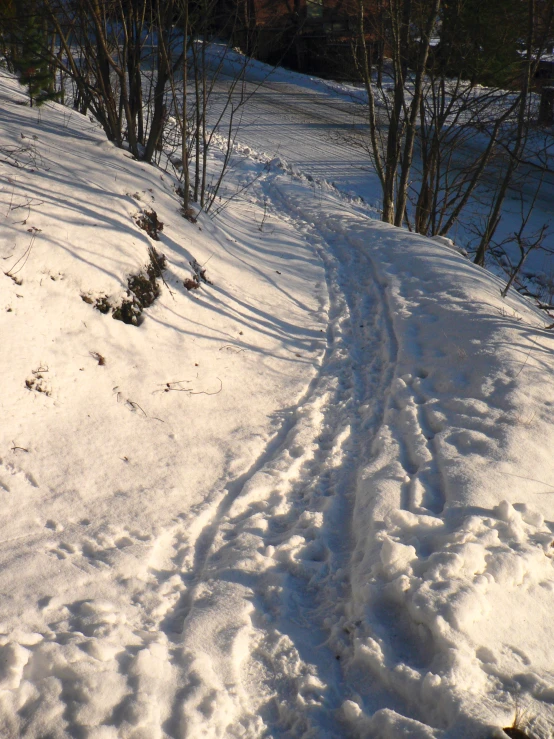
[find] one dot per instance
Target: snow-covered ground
(311, 499)
(320, 126)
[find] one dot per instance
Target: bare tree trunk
(203, 124)
(519, 143)
(198, 116)
(406, 163)
(184, 132)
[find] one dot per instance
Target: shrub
(143, 290)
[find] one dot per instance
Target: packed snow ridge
(310, 499)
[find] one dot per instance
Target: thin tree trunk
(407, 158)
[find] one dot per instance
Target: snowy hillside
(308, 498)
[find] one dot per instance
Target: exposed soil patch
(148, 220)
(143, 289)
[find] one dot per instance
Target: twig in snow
(16, 448)
(11, 201)
(27, 205)
(24, 257)
(529, 479)
(237, 349)
(99, 358)
(134, 406)
(204, 392)
(264, 218)
(200, 272)
(159, 262)
(238, 192)
(523, 365)
(167, 386)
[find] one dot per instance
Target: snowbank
(452, 575)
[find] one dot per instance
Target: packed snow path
(274, 557)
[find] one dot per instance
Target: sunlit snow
(311, 499)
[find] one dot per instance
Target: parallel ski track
(313, 461)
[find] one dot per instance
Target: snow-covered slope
(451, 582)
(312, 499)
(110, 471)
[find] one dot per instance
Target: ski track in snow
(274, 554)
(373, 350)
(394, 428)
(277, 539)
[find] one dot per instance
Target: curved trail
(274, 554)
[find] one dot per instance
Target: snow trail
(274, 555)
(424, 555)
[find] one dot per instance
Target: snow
(311, 499)
(320, 127)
